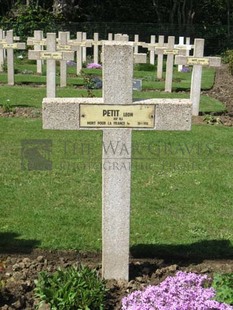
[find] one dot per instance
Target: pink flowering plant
(184, 291)
(94, 66)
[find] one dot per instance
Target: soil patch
(21, 112)
(22, 269)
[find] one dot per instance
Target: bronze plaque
(116, 116)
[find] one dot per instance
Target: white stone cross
(160, 59)
(51, 55)
(187, 46)
(38, 42)
(152, 46)
(63, 46)
(84, 47)
(197, 61)
(10, 46)
(136, 41)
(138, 57)
(170, 51)
(110, 36)
(117, 115)
(152, 52)
(77, 45)
(96, 43)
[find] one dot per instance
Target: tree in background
(177, 12)
(210, 19)
(24, 19)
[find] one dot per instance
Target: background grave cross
(160, 59)
(197, 61)
(116, 114)
(63, 46)
(77, 45)
(187, 46)
(151, 48)
(138, 57)
(51, 55)
(38, 42)
(170, 51)
(96, 43)
(10, 46)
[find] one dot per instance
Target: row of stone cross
(63, 49)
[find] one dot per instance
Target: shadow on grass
(195, 252)
(10, 244)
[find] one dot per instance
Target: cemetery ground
(181, 211)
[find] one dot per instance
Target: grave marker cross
(78, 45)
(38, 42)
(116, 114)
(51, 55)
(10, 46)
(170, 51)
(197, 61)
(63, 46)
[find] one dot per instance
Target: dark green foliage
(223, 284)
(228, 58)
(7, 107)
(72, 288)
(144, 67)
(25, 19)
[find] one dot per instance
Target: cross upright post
(84, 49)
(136, 41)
(51, 66)
(110, 36)
(169, 65)
(152, 51)
(1, 51)
(63, 46)
(96, 43)
(160, 59)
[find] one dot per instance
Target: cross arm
(33, 41)
(76, 43)
(19, 46)
(64, 113)
(191, 60)
(140, 58)
(184, 46)
(56, 55)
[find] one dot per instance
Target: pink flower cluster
(94, 66)
(184, 291)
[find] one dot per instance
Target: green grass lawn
(29, 90)
(181, 191)
(182, 195)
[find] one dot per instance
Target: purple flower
(184, 291)
(71, 63)
(185, 69)
(94, 66)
